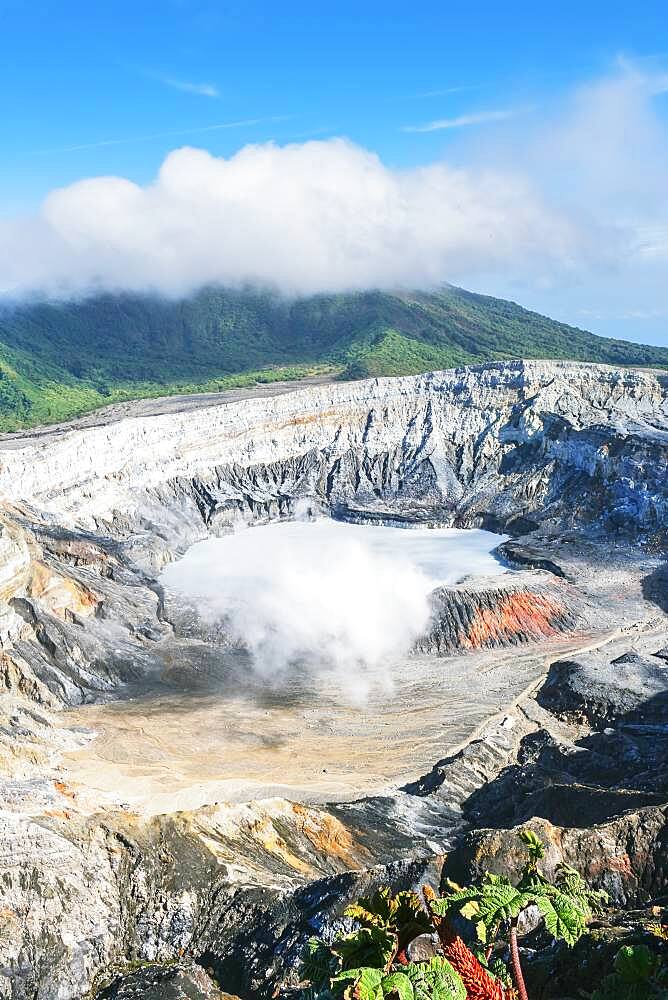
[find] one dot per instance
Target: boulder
(603, 692)
(626, 857)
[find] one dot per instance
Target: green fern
(434, 980)
(565, 906)
(533, 843)
(371, 963)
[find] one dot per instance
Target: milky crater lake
(324, 594)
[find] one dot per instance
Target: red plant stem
(515, 962)
(480, 985)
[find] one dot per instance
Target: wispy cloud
(242, 123)
(313, 133)
(461, 121)
(659, 84)
(626, 314)
(654, 83)
(448, 90)
(652, 241)
(187, 86)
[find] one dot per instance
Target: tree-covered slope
(60, 359)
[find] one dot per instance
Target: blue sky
(90, 90)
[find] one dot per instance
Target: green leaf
(378, 909)
(564, 919)
(496, 879)
(570, 881)
(363, 984)
(410, 916)
(470, 909)
(481, 931)
(369, 946)
(500, 971)
(446, 983)
(435, 980)
(399, 983)
(500, 902)
(442, 906)
(494, 901)
(403, 914)
(533, 843)
(364, 916)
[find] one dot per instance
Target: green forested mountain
(61, 359)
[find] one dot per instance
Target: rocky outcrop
(563, 767)
(171, 981)
(523, 608)
(626, 856)
(84, 894)
(631, 690)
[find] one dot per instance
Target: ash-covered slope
(507, 439)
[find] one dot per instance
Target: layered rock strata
(524, 608)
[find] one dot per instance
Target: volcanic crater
(165, 797)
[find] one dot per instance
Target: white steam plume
(326, 596)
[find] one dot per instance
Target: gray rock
(178, 981)
(423, 948)
(631, 687)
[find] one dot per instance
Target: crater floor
(302, 740)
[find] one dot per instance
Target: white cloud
(447, 91)
(574, 206)
(461, 121)
(304, 217)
